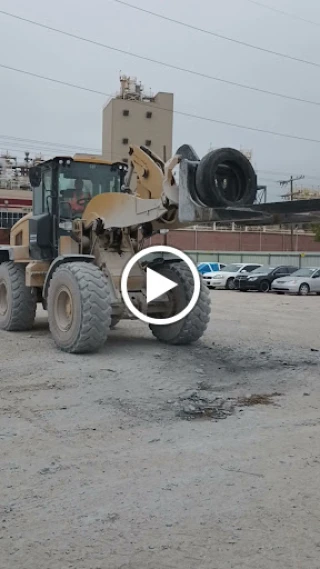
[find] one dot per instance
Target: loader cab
(61, 189)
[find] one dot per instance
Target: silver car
(301, 282)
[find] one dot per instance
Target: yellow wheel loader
(90, 217)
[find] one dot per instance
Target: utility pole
(285, 183)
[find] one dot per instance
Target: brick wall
(224, 241)
(235, 241)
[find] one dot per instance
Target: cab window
(41, 201)
(46, 183)
(37, 200)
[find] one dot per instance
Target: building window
(125, 140)
(125, 113)
(148, 114)
(148, 142)
(8, 219)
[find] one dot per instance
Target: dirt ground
(146, 456)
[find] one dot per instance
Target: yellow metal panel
(22, 226)
(91, 159)
(36, 273)
(68, 246)
(121, 210)
(21, 254)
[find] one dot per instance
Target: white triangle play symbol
(157, 285)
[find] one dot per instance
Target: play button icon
(157, 285)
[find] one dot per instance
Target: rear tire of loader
(193, 326)
(18, 303)
(79, 308)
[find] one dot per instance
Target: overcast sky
(35, 109)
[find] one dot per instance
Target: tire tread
(196, 322)
(24, 300)
(95, 303)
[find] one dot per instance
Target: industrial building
(135, 117)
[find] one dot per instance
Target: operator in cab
(79, 194)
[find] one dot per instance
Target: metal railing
(247, 228)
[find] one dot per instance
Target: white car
(225, 278)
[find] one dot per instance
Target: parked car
(210, 267)
(225, 278)
(261, 279)
(301, 282)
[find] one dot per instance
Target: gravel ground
(146, 456)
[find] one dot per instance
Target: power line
(45, 151)
(276, 172)
(162, 63)
(220, 36)
(203, 75)
(48, 147)
(182, 113)
(15, 151)
(284, 13)
(282, 173)
(97, 92)
(45, 143)
(51, 146)
(267, 180)
(55, 80)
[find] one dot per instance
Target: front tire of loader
(79, 307)
(18, 303)
(193, 326)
